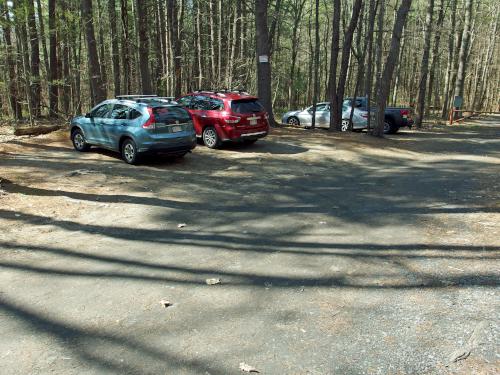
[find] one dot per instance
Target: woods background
(58, 57)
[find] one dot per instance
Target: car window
(214, 104)
(185, 101)
(119, 112)
(321, 107)
(246, 106)
(102, 111)
(171, 115)
(200, 102)
(133, 114)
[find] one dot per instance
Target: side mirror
(88, 115)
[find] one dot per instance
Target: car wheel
(211, 138)
(389, 128)
(345, 127)
(79, 142)
(294, 121)
(129, 152)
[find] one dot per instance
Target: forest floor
(337, 254)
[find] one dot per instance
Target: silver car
(304, 117)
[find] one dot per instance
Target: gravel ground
(337, 254)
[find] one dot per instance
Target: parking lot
(337, 254)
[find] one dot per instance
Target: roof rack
(136, 96)
(224, 91)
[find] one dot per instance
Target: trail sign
(458, 102)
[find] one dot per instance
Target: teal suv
(135, 125)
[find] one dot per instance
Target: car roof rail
(133, 97)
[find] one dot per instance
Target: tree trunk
(384, 86)
(344, 64)
(424, 69)
(316, 64)
(173, 22)
(263, 58)
(10, 61)
(96, 84)
(115, 54)
(332, 83)
(369, 72)
(464, 48)
(127, 82)
(449, 64)
(35, 60)
(435, 54)
(143, 30)
(53, 72)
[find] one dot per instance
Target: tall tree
(316, 64)
(96, 83)
(263, 58)
(115, 53)
(34, 60)
(424, 69)
(14, 100)
(53, 63)
(143, 30)
(390, 63)
(464, 50)
(344, 63)
(334, 55)
(173, 22)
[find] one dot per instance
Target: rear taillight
(150, 124)
(232, 119)
(405, 113)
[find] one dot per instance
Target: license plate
(253, 122)
(176, 129)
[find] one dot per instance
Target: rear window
(246, 106)
(171, 115)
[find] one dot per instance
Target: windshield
(246, 106)
(171, 115)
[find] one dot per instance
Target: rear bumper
(171, 147)
(235, 134)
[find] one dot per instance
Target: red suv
(220, 116)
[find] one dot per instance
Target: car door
(115, 124)
(323, 115)
(198, 110)
(94, 132)
(188, 102)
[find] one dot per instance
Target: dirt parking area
(337, 254)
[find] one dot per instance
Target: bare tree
(96, 84)
(390, 63)
(344, 64)
(115, 53)
(334, 55)
(263, 57)
(143, 31)
(424, 70)
(464, 49)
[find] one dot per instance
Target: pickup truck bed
(395, 117)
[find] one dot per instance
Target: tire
(346, 125)
(129, 152)
(79, 142)
(293, 121)
(389, 127)
(211, 138)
